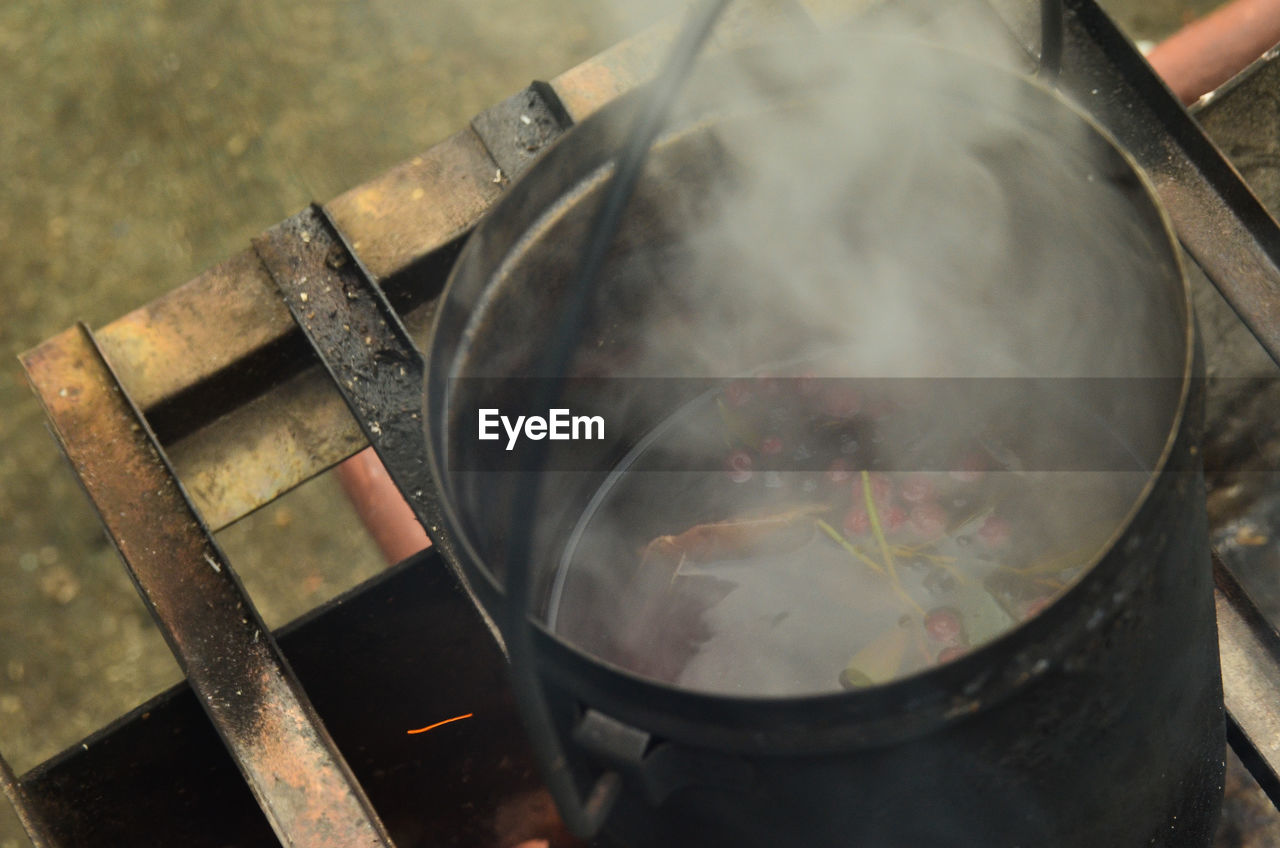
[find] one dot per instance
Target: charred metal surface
(372, 661)
(1243, 439)
(1250, 650)
(231, 661)
(359, 339)
(370, 357)
(520, 127)
(1242, 119)
(1244, 433)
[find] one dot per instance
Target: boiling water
(798, 536)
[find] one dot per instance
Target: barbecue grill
(163, 414)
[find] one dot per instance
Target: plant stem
(849, 546)
(884, 543)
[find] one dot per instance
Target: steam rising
(929, 234)
(881, 209)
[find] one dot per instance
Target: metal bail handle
(1052, 26)
(583, 817)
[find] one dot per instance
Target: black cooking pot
(1096, 722)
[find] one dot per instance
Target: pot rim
(878, 715)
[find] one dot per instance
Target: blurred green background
(144, 140)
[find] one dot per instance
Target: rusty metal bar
(228, 318)
(31, 822)
(519, 128)
(358, 338)
(220, 346)
(1250, 650)
(258, 451)
(369, 355)
(361, 342)
(372, 661)
(232, 663)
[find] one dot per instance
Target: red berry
(995, 531)
(838, 471)
(738, 393)
(771, 446)
(952, 652)
(857, 521)
(881, 490)
(918, 488)
(739, 465)
(944, 625)
(928, 520)
(892, 518)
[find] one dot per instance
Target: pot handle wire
(1052, 27)
(582, 817)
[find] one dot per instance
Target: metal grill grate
(331, 299)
